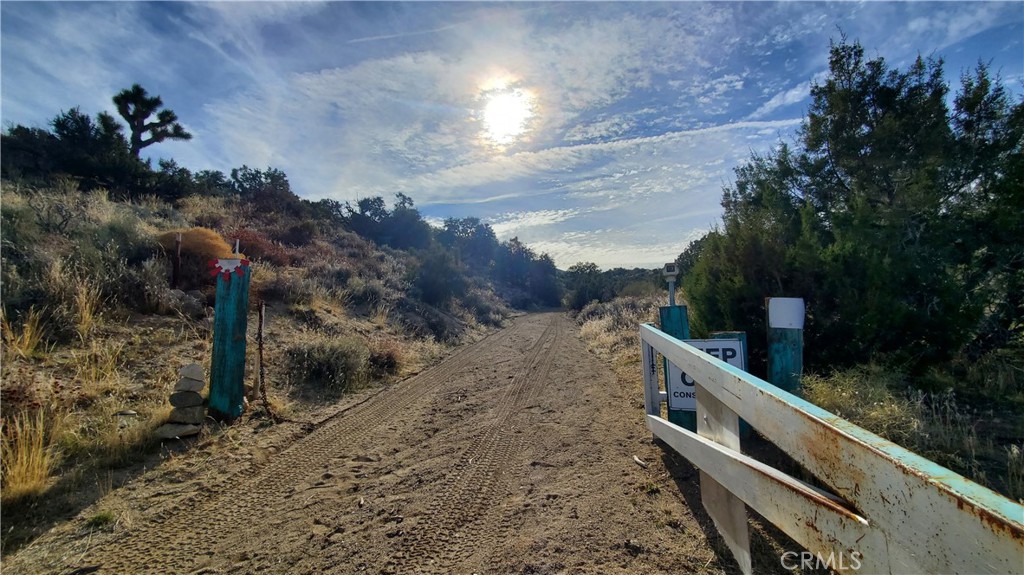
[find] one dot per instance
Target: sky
(598, 132)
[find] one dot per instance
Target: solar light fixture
(670, 271)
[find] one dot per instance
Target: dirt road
(515, 455)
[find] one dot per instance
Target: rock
(186, 384)
(126, 413)
(633, 547)
(194, 415)
(193, 371)
(176, 430)
(191, 307)
(186, 399)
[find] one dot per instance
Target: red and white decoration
(226, 267)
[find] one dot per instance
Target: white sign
(786, 312)
(682, 393)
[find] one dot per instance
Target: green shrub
(300, 234)
(486, 307)
(333, 275)
(127, 238)
(365, 292)
(439, 278)
(101, 520)
(337, 365)
(298, 288)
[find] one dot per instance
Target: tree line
(897, 213)
(97, 153)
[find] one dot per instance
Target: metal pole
(672, 291)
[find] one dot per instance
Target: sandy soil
(515, 455)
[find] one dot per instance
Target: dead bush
(386, 357)
(258, 247)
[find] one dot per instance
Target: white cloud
(511, 224)
(794, 95)
(565, 161)
(609, 249)
(61, 57)
(601, 129)
(635, 130)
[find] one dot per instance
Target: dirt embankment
(515, 455)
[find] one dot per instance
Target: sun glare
(506, 115)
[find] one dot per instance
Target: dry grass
(120, 439)
(1015, 472)
(420, 354)
(866, 397)
(281, 403)
(200, 209)
(935, 425)
(599, 333)
(613, 327)
(97, 367)
(387, 356)
(88, 301)
(26, 341)
(198, 241)
(998, 374)
(379, 317)
(28, 458)
(611, 330)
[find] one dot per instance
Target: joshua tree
(135, 106)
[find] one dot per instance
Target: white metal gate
(889, 510)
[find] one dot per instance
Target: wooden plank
(930, 516)
(718, 423)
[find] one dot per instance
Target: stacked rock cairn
(189, 412)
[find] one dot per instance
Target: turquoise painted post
(674, 321)
(227, 370)
(785, 342)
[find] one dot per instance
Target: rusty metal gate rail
(889, 510)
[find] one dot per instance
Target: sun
(506, 115)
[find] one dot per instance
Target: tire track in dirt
(461, 519)
(168, 544)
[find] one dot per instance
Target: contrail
(402, 35)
